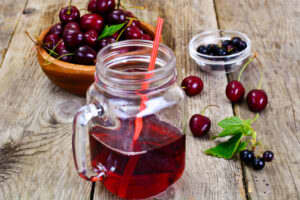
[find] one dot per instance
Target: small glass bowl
(229, 63)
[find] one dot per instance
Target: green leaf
(243, 145)
(232, 131)
(230, 122)
(248, 122)
(110, 30)
(226, 149)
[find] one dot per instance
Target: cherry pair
(257, 99)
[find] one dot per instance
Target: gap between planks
(244, 177)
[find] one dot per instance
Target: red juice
(143, 168)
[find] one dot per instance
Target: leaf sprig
(110, 30)
(239, 130)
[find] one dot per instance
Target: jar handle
(79, 138)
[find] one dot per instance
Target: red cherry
(129, 14)
(92, 22)
(235, 91)
(90, 38)
(122, 50)
(115, 35)
(116, 17)
(199, 125)
(69, 14)
(60, 45)
(85, 55)
(68, 31)
(92, 6)
(192, 85)
(146, 37)
(105, 6)
(257, 100)
(56, 29)
(105, 41)
(136, 23)
(51, 40)
(72, 38)
(133, 32)
(72, 25)
(61, 50)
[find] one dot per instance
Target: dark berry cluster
(227, 47)
(258, 163)
(75, 38)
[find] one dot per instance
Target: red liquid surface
(144, 168)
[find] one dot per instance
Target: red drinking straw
(130, 166)
(139, 120)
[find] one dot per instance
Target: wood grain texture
(273, 27)
(10, 12)
(35, 134)
(205, 177)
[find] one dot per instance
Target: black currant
(230, 49)
(225, 43)
(235, 41)
(242, 45)
(221, 52)
(247, 156)
(258, 164)
(268, 156)
(212, 49)
(202, 49)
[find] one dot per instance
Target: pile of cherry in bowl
(227, 47)
(77, 39)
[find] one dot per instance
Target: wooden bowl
(74, 78)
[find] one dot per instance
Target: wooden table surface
(35, 125)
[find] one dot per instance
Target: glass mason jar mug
(133, 120)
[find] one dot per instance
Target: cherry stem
(246, 65)
(119, 3)
(206, 107)
(52, 52)
(67, 54)
(136, 7)
(255, 118)
(31, 38)
(132, 18)
(58, 58)
(122, 31)
(253, 141)
(122, 6)
(262, 148)
(57, 45)
(36, 42)
(69, 9)
(261, 74)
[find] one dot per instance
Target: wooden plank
(274, 30)
(205, 177)
(36, 159)
(10, 12)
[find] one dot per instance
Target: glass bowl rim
(204, 56)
